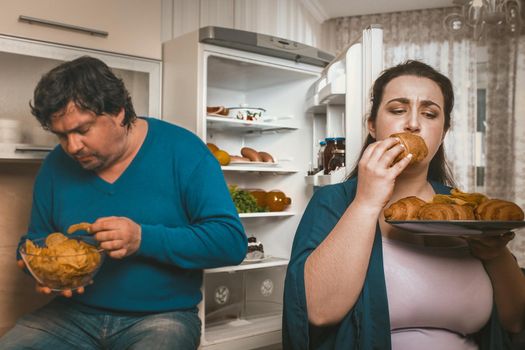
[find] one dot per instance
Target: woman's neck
(412, 182)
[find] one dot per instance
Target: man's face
(96, 142)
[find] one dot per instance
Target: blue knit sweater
(175, 190)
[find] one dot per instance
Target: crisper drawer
(243, 295)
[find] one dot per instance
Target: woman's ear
(371, 128)
(443, 136)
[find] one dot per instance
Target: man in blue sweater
(157, 203)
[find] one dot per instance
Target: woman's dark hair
(438, 169)
(87, 82)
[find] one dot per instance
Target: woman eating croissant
(356, 282)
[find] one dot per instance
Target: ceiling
(326, 9)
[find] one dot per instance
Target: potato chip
(55, 238)
(86, 226)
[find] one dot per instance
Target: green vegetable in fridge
(244, 201)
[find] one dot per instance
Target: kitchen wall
(287, 19)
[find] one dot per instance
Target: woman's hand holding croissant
(377, 174)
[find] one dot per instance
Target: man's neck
(134, 140)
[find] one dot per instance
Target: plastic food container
(246, 113)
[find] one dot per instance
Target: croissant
(442, 211)
(413, 144)
(497, 209)
(404, 209)
(473, 199)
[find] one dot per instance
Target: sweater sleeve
(40, 224)
(321, 215)
(214, 236)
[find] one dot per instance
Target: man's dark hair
(438, 169)
(87, 82)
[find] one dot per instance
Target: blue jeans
(59, 326)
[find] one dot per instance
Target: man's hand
(119, 236)
(490, 247)
(68, 293)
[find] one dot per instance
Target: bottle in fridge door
(338, 110)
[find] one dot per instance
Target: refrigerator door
(339, 101)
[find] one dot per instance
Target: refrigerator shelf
(266, 214)
(334, 92)
(267, 170)
(322, 180)
(270, 261)
(225, 124)
(317, 103)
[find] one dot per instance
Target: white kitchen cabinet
(23, 62)
(242, 305)
(132, 26)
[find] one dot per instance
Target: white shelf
(241, 74)
(266, 214)
(225, 124)
(22, 151)
(320, 179)
(237, 330)
(334, 91)
(268, 262)
(313, 106)
(251, 169)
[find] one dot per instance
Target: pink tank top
(437, 296)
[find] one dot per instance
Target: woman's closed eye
(398, 111)
(429, 114)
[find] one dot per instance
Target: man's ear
(371, 128)
(121, 114)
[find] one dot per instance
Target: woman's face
(411, 104)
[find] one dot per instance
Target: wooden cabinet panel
(17, 292)
(133, 26)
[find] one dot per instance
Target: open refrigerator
(242, 305)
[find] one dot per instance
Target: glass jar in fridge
(327, 154)
(320, 156)
(338, 160)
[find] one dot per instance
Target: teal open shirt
(367, 324)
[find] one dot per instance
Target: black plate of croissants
(456, 214)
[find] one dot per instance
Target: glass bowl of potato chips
(61, 262)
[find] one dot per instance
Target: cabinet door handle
(45, 22)
(31, 148)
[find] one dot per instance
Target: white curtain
(513, 142)
(420, 35)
